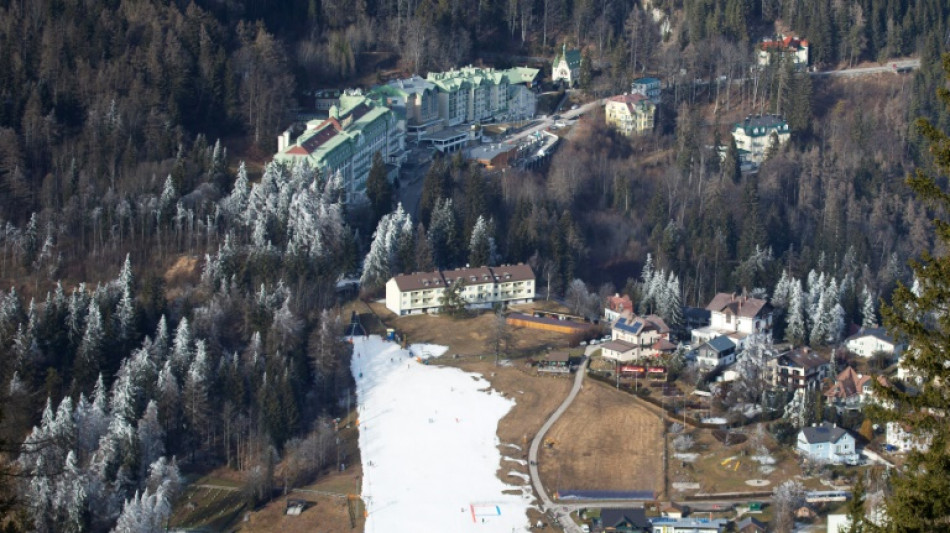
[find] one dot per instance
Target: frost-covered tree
(782, 293)
(795, 331)
(383, 260)
(88, 355)
(195, 392)
(796, 411)
(786, 499)
(150, 437)
(868, 309)
(236, 202)
(481, 247)
(181, 349)
(69, 501)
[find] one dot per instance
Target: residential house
(630, 114)
(756, 134)
(715, 353)
(898, 435)
(689, 525)
(649, 87)
(869, 341)
(750, 524)
(851, 390)
(566, 66)
(736, 316)
(790, 48)
(674, 510)
(695, 318)
(346, 142)
(481, 287)
(799, 369)
(630, 520)
(620, 351)
(646, 334)
(617, 305)
(827, 443)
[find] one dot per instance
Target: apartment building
(481, 287)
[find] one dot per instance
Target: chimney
(283, 140)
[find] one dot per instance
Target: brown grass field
(604, 441)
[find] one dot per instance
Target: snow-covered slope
(428, 444)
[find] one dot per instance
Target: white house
(566, 66)
(481, 287)
(644, 333)
(756, 134)
(827, 443)
(717, 352)
(737, 317)
(869, 341)
(897, 434)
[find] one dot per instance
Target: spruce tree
(378, 189)
(920, 492)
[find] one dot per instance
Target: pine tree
(443, 234)
(920, 492)
(856, 505)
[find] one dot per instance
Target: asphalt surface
(561, 513)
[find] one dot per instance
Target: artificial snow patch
(522, 475)
(764, 459)
(515, 446)
(683, 485)
(429, 433)
(426, 351)
(521, 462)
(687, 457)
(714, 420)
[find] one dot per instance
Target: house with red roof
(788, 47)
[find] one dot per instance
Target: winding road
(560, 513)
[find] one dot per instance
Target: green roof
(573, 57)
(453, 80)
(762, 125)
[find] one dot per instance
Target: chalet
(799, 369)
(869, 341)
(555, 362)
(646, 334)
(827, 443)
(737, 317)
(566, 66)
(851, 390)
(715, 353)
(617, 305)
(630, 520)
(481, 287)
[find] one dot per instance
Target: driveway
(561, 513)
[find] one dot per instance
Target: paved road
(560, 512)
(863, 71)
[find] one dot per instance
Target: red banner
(627, 368)
(657, 369)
